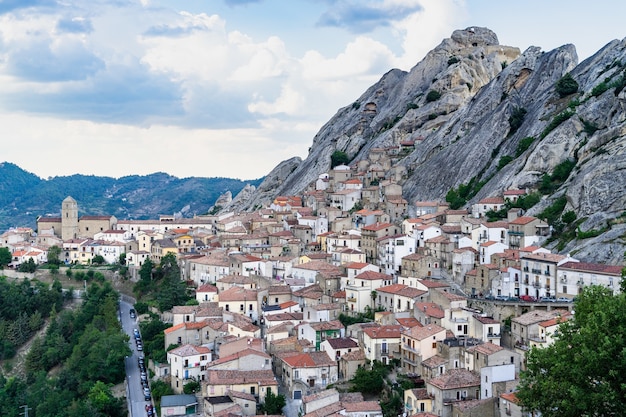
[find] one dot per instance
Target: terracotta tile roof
(279, 289)
(236, 279)
(233, 377)
(287, 304)
(362, 407)
(340, 294)
(342, 343)
(189, 350)
(510, 396)
(372, 276)
(492, 200)
(326, 325)
(429, 283)
(190, 325)
(241, 395)
(206, 288)
(523, 220)
(408, 322)
(295, 316)
(238, 355)
(327, 411)
(485, 320)
(544, 257)
(556, 320)
(450, 296)
(456, 378)
(356, 265)
(280, 328)
(424, 332)
(537, 316)
(421, 393)
(237, 294)
(377, 226)
(391, 331)
(434, 361)
(320, 395)
(355, 355)
(309, 360)
(592, 267)
(487, 348)
(402, 290)
(430, 309)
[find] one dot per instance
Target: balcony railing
(351, 299)
(535, 271)
(537, 284)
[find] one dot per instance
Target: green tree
(5, 257)
(273, 404)
(516, 119)
(583, 373)
(54, 255)
(339, 158)
(191, 387)
(98, 260)
(373, 296)
(370, 381)
(566, 85)
(28, 266)
(433, 95)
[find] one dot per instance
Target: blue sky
(227, 88)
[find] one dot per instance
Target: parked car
(527, 298)
(547, 300)
(563, 300)
(502, 298)
(133, 313)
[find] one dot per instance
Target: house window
(296, 374)
(241, 307)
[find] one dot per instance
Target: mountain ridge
(490, 100)
(25, 196)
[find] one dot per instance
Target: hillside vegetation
(24, 196)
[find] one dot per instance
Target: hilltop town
(296, 297)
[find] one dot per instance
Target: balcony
(537, 284)
(414, 362)
(408, 348)
(535, 271)
(458, 320)
(351, 299)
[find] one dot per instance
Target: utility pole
(26, 408)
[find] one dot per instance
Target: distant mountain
(485, 118)
(25, 196)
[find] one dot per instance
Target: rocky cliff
(483, 113)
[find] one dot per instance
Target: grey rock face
(464, 134)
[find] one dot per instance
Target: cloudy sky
(227, 88)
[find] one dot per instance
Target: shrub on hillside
(566, 85)
(433, 95)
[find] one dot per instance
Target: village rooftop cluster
(456, 300)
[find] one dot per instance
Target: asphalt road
(134, 390)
